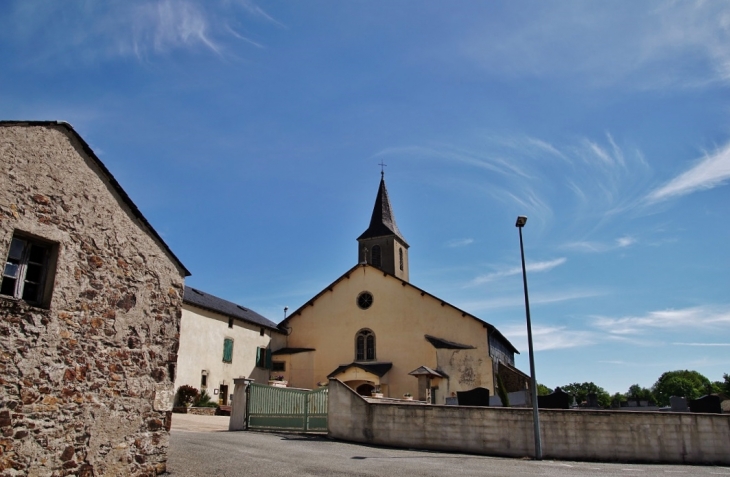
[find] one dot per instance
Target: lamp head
(521, 221)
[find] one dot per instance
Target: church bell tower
(382, 244)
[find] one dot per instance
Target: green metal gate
(285, 409)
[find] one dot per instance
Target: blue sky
(249, 135)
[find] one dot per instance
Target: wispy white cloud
(697, 317)
(257, 11)
(92, 31)
(459, 242)
(677, 44)
(598, 247)
(549, 337)
(518, 300)
(702, 344)
(622, 242)
(492, 163)
(712, 171)
(168, 25)
(531, 267)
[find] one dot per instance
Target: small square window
(261, 332)
(28, 270)
(278, 366)
(230, 322)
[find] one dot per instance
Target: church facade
(374, 330)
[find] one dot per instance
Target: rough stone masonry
(87, 360)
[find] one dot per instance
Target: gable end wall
(86, 384)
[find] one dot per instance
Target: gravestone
(679, 404)
(709, 404)
(475, 397)
(558, 399)
(592, 400)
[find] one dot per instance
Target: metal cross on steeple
(382, 170)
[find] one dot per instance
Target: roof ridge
(201, 299)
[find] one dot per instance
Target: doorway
(223, 393)
(365, 389)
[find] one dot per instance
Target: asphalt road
(200, 446)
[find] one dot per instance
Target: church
(378, 333)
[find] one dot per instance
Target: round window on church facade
(364, 300)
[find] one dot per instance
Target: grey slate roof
(382, 222)
(426, 371)
(118, 188)
(378, 369)
(291, 351)
(207, 301)
(442, 343)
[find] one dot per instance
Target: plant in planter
(376, 392)
(408, 396)
(278, 381)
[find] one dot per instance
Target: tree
(637, 392)
(682, 383)
(726, 377)
(502, 392)
(617, 399)
(581, 390)
(543, 390)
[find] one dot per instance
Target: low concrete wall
(566, 434)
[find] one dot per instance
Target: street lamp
(521, 221)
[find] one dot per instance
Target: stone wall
(566, 434)
(86, 380)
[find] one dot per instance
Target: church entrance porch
(364, 378)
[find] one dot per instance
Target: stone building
(90, 304)
(374, 330)
(221, 341)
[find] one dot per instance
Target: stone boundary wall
(670, 438)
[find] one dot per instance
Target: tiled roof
(442, 343)
(224, 307)
(378, 369)
(112, 181)
(382, 221)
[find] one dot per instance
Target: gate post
(238, 404)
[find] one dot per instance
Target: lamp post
(521, 221)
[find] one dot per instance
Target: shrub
(203, 400)
(186, 395)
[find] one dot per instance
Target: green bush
(203, 400)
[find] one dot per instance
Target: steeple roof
(382, 222)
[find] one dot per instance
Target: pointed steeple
(382, 245)
(382, 222)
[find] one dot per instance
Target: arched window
(400, 255)
(377, 256)
(365, 345)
